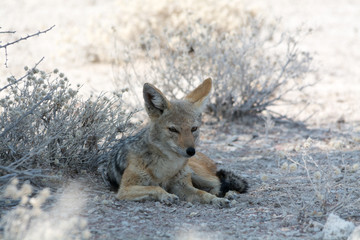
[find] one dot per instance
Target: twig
(7, 176)
(27, 37)
(8, 32)
(22, 39)
(32, 152)
(23, 77)
(337, 207)
(29, 173)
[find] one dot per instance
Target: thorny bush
(253, 66)
(45, 125)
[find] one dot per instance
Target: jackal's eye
(193, 129)
(172, 129)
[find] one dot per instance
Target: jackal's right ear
(155, 101)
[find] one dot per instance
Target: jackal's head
(175, 124)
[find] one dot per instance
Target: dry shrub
(45, 125)
(47, 130)
(253, 64)
(132, 19)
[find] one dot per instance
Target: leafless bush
(47, 131)
(253, 67)
(44, 124)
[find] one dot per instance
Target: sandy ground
(280, 204)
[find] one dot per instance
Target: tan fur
(204, 176)
(203, 162)
(200, 93)
(157, 162)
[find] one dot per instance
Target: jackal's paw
(169, 199)
(231, 195)
(221, 202)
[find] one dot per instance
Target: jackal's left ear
(200, 95)
(155, 101)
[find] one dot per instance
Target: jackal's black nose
(190, 151)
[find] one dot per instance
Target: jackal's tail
(231, 182)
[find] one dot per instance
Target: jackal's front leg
(182, 186)
(142, 193)
(135, 186)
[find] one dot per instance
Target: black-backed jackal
(160, 161)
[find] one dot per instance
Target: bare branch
(23, 77)
(28, 173)
(7, 32)
(22, 39)
(27, 37)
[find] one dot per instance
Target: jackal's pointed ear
(155, 101)
(200, 95)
